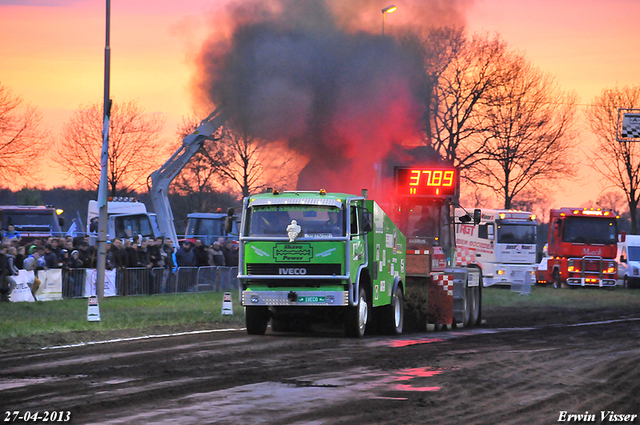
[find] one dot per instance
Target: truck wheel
(474, 300)
(393, 315)
(556, 279)
(466, 311)
(257, 319)
(358, 316)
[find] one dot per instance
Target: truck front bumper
(295, 298)
(590, 281)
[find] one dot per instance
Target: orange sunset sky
(52, 54)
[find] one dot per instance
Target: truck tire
(393, 314)
(257, 319)
(466, 311)
(475, 298)
(358, 316)
(474, 302)
(557, 283)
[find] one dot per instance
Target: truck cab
(209, 227)
(32, 221)
(582, 248)
(503, 245)
(628, 257)
(126, 217)
(318, 256)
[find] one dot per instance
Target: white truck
(628, 259)
(503, 245)
(126, 218)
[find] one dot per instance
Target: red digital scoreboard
(439, 182)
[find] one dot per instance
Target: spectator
(155, 257)
(74, 262)
(55, 246)
(202, 256)
(73, 279)
(85, 254)
(168, 254)
(20, 256)
(11, 233)
(63, 259)
(230, 254)
(50, 258)
(6, 275)
(117, 255)
(133, 257)
(217, 255)
(34, 263)
(169, 250)
(185, 257)
(143, 253)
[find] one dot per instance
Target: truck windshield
(130, 226)
(205, 227)
(589, 230)
(31, 218)
(517, 233)
(314, 221)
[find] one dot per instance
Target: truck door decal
(260, 252)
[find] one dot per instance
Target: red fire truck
(582, 248)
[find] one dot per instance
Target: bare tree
(463, 88)
(134, 139)
(21, 140)
(618, 162)
(529, 129)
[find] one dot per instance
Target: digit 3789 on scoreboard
(427, 181)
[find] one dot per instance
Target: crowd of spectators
(68, 253)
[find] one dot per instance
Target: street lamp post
(388, 9)
(104, 160)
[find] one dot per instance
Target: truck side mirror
(367, 221)
(228, 224)
(477, 216)
(228, 221)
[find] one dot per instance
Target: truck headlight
(501, 272)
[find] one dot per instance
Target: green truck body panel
(323, 265)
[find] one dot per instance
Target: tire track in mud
(478, 376)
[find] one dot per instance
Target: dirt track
(524, 367)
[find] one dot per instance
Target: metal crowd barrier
(146, 281)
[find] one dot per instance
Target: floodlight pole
(104, 162)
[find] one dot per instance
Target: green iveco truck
(309, 256)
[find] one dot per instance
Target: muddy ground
(526, 366)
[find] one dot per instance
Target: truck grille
(294, 269)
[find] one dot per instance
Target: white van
(628, 259)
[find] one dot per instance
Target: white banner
(22, 291)
(109, 283)
(50, 285)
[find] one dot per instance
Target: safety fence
(149, 281)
